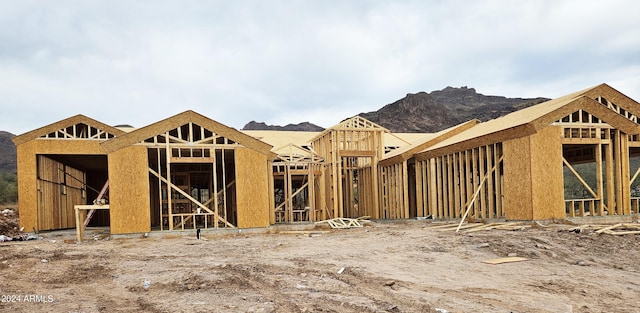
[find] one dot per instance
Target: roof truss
(292, 153)
(190, 134)
(358, 122)
(75, 127)
(190, 129)
(618, 109)
(79, 131)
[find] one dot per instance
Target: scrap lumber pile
(617, 229)
(473, 227)
(343, 222)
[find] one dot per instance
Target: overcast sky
(280, 62)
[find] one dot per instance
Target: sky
(281, 62)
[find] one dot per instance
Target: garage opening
(68, 180)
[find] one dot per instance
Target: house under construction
(189, 171)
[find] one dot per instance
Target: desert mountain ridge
(424, 112)
(7, 152)
(304, 126)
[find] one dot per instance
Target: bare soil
(384, 267)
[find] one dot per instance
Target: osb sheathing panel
(533, 180)
(517, 179)
(129, 190)
(68, 146)
(546, 170)
(27, 186)
(252, 188)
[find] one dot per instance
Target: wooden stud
(405, 189)
(497, 153)
(625, 175)
(481, 168)
(456, 185)
(599, 181)
(462, 182)
(618, 172)
(475, 178)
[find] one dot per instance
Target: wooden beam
(168, 171)
(405, 189)
(420, 176)
(357, 153)
(189, 197)
(470, 202)
(580, 179)
(490, 195)
(599, 181)
(498, 182)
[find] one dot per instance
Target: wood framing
(188, 171)
(534, 143)
(351, 150)
(60, 165)
(202, 174)
(75, 127)
(467, 181)
(397, 195)
(297, 172)
(63, 164)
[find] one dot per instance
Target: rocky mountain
(431, 112)
(304, 126)
(7, 153)
(428, 112)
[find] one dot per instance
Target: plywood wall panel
(517, 179)
(533, 180)
(44, 146)
(252, 188)
(27, 186)
(547, 174)
(129, 190)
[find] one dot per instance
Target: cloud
(291, 61)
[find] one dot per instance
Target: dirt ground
(402, 266)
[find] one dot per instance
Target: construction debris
(617, 229)
(473, 227)
(343, 222)
(505, 260)
(21, 237)
(308, 233)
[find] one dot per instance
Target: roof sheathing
(406, 152)
(527, 121)
(279, 138)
